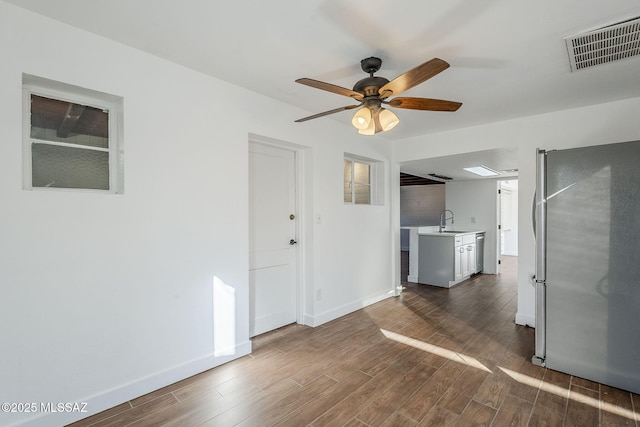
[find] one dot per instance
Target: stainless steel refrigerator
(587, 227)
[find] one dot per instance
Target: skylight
(482, 171)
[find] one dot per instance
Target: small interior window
(71, 140)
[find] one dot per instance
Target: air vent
(607, 44)
(440, 177)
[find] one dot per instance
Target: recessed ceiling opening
(482, 170)
(607, 44)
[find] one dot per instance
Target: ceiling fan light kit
(388, 120)
(370, 130)
(362, 118)
(373, 91)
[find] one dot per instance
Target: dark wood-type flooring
(431, 357)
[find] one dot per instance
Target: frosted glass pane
(347, 192)
(347, 170)
(62, 121)
(361, 173)
(65, 167)
(362, 193)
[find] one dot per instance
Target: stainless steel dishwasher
(479, 252)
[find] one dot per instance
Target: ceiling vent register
(607, 44)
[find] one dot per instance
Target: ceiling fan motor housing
(369, 85)
(371, 65)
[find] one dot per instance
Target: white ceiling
(501, 160)
(508, 58)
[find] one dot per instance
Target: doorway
(508, 221)
(273, 229)
(509, 217)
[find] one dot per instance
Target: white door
(272, 238)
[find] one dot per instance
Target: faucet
(443, 219)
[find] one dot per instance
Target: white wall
(421, 205)
(107, 297)
(593, 125)
(474, 206)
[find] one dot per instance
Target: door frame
(499, 218)
(301, 199)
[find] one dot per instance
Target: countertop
(447, 233)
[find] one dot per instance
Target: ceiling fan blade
(429, 104)
(326, 113)
(413, 77)
(331, 88)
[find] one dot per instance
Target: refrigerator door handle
(540, 233)
(540, 216)
(533, 213)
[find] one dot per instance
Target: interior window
(357, 182)
(70, 141)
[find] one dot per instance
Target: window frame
(59, 91)
(376, 180)
(353, 182)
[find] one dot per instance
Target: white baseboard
(526, 319)
(335, 313)
(412, 279)
(126, 392)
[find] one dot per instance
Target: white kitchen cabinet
(459, 262)
(465, 256)
(470, 254)
(446, 259)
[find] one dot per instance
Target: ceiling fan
(372, 92)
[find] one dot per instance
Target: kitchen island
(446, 258)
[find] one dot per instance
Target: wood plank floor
(431, 357)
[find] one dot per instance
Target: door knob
(292, 242)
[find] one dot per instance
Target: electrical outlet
(318, 294)
(473, 220)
